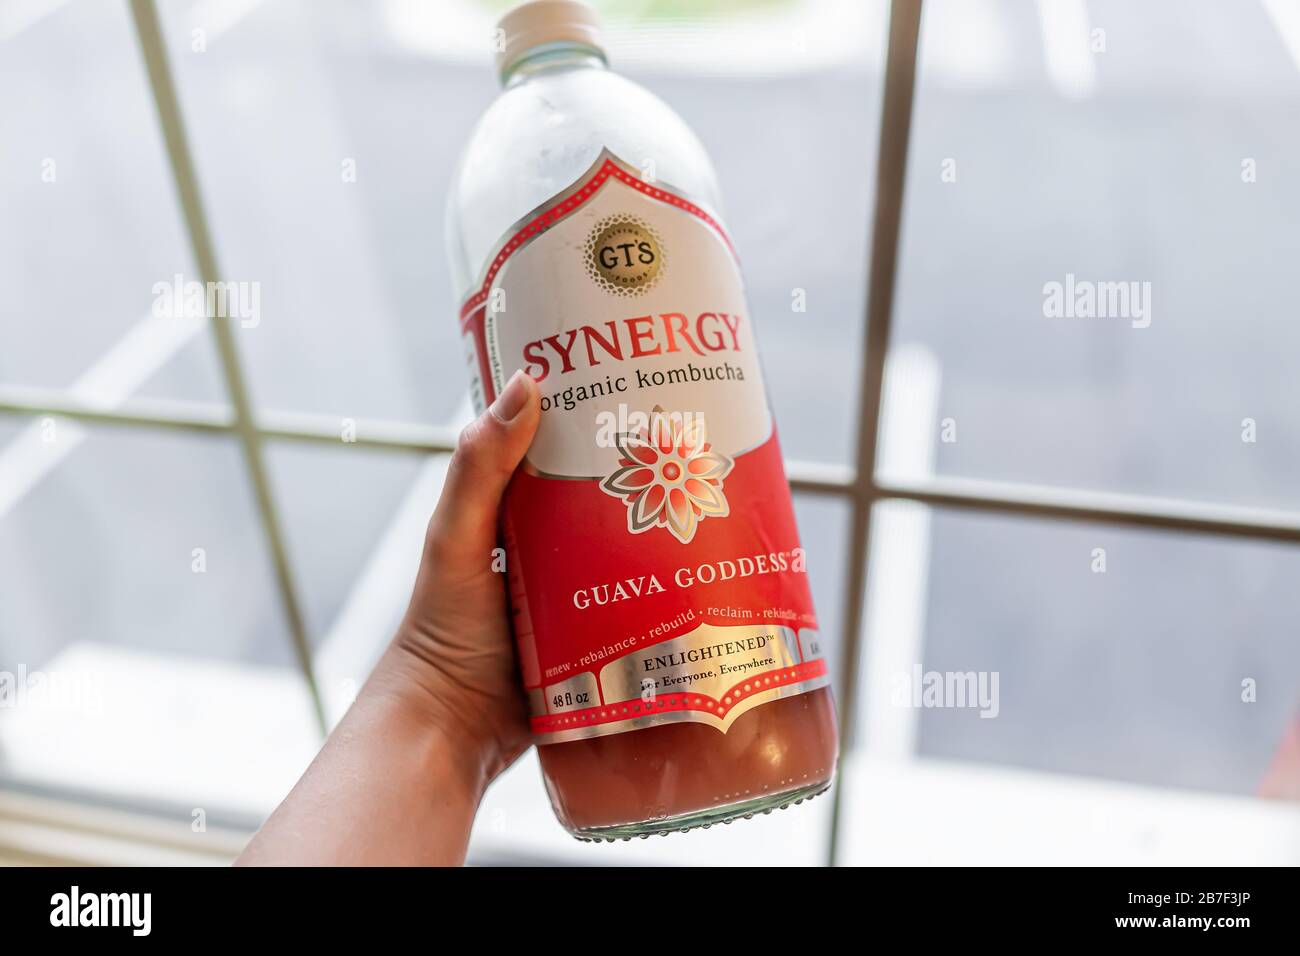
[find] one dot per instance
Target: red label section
(590, 586)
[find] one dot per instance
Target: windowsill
(930, 812)
(42, 831)
(241, 736)
(907, 813)
(139, 727)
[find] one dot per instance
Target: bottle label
(654, 567)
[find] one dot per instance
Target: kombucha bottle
(662, 614)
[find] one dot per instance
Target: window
(1079, 520)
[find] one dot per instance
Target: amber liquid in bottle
(682, 775)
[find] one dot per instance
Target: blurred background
(156, 707)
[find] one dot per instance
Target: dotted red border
(609, 169)
(669, 703)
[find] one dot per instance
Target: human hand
(453, 657)
(400, 778)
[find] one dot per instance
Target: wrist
(435, 706)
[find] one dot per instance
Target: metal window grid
(857, 483)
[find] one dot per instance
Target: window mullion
(891, 171)
(145, 15)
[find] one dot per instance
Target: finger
(464, 525)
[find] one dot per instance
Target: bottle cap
(545, 21)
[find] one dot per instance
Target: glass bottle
(663, 619)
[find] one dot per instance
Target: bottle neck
(549, 57)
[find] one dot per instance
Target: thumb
(463, 530)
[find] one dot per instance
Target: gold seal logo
(624, 255)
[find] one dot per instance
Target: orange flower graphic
(669, 476)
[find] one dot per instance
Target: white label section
(684, 333)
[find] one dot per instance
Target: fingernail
(511, 400)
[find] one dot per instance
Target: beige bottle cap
(544, 21)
